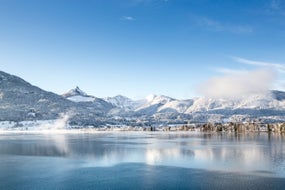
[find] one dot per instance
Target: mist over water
(59, 123)
(137, 155)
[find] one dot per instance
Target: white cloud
(235, 85)
(130, 18)
(217, 26)
(279, 67)
(230, 71)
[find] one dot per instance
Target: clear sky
(140, 47)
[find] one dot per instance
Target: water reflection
(225, 152)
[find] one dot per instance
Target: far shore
(231, 127)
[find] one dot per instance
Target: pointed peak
(79, 91)
(75, 92)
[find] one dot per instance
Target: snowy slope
(19, 100)
(152, 100)
(179, 106)
(77, 95)
(81, 98)
(91, 103)
(121, 102)
(267, 100)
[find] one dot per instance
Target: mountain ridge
(20, 100)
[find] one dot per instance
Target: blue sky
(139, 47)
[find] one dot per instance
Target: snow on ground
(81, 98)
(60, 123)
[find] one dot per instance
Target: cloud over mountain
(236, 85)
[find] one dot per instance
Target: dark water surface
(138, 160)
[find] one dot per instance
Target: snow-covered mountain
(152, 101)
(82, 98)
(121, 102)
(19, 100)
(77, 95)
(179, 106)
(265, 100)
(260, 105)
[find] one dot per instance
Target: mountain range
(21, 101)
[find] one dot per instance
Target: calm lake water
(139, 160)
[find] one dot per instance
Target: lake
(141, 160)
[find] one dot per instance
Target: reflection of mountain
(37, 148)
(160, 156)
(212, 152)
(248, 158)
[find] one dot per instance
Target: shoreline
(124, 131)
(59, 125)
